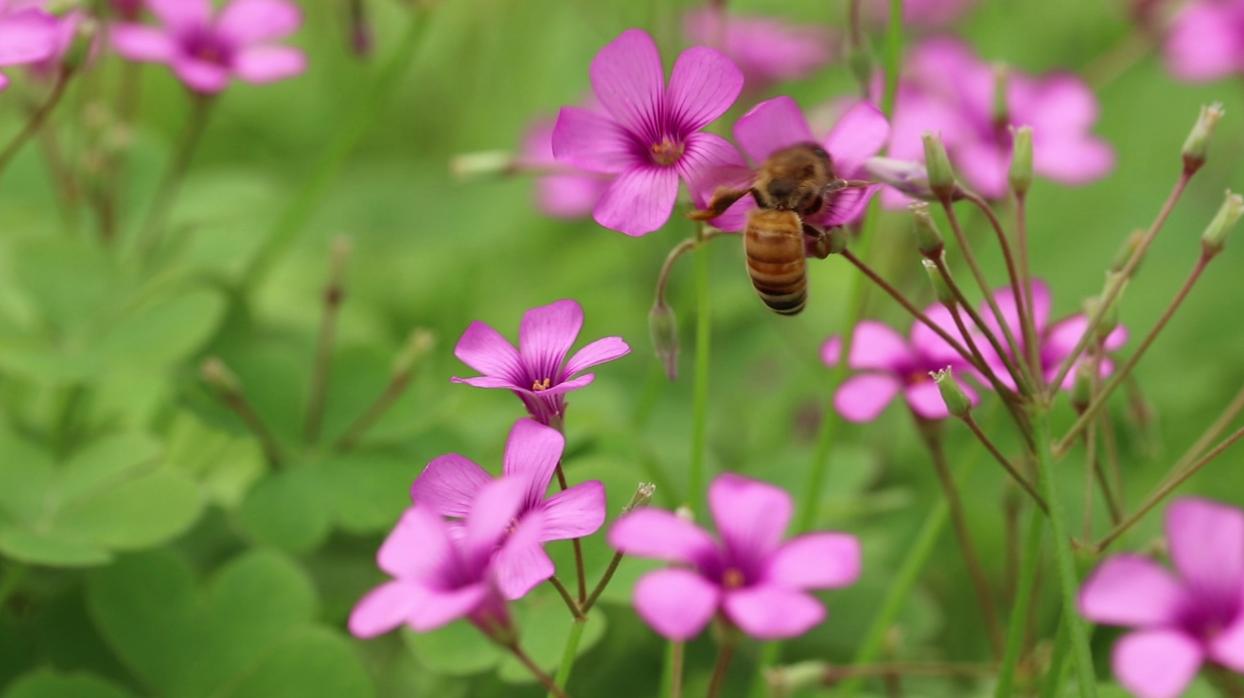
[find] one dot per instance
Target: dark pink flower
(207, 49)
(748, 574)
(28, 34)
(1205, 40)
(1179, 621)
(649, 135)
(439, 577)
(451, 484)
(777, 123)
(562, 190)
(948, 90)
(887, 364)
(538, 371)
(765, 49)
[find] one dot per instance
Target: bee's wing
(843, 206)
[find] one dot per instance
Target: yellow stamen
(541, 384)
(732, 579)
(667, 152)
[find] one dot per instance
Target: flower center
(667, 152)
(207, 47)
(541, 385)
(733, 578)
(917, 377)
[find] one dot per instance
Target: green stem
(700, 394)
(1068, 581)
(671, 677)
(1056, 675)
(1019, 611)
(570, 652)
(150, 234)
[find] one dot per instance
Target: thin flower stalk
(228, 389)
(405, 364)
(1025, 275)
(167, 190)
(333, 297)
(569, 652)
(725, 653)
(1006, 464)
(1021, 605)
(544, 679)
(36, 121)
(700, 388)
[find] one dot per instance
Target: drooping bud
(1001, 104)
(1196, 146)
(940, 288)
(418, 345)
(910, 178)
(957, 402)
(481, 164)
(937, 162)
(1215, 236)
(216, 374)
(1082, 389)
(1021, 160)
(928, 238)
(663, 328)
(1129, 247)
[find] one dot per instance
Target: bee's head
(794, 178)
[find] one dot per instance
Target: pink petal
(859, 134)
(449, 485)
(591, 141)
(772, 613)
(575, 513)
(702, 87)
(676, 603)
(1203, 43)
(251, 21)
(563, 387)
(843, 207)
(1116, 339)
(485, 350)
(385, 608)
(930, 344)
(660, 535)
(925, 398)
(443, 607)
(138, 42)
(1010, 315)
(765, 49)
(1156, 663)
(596, 353)
(181, 14)
(751, 515)
(200, 76)
(545, 336)
(705, 158)
(521, 563)
(878, 347)
(417, 546)
(862, 398)
(1130, 590)
(985, 166)
(1206, 541)
(770, 126)
(1227, 647)
(1077, 160)
(569, 195)
(816, 561)
(486, 382)
(492, 514)
(1063, 105)
(627, 79)
(532, 454)
(639, 201)
(263, 64)
(27, 37)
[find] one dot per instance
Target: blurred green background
(147, 550)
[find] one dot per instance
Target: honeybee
(793, 184)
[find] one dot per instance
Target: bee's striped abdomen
(776, 262)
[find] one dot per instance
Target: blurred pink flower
(67, 26)
(649, 136)
(28, 34)
(889, 364)
(927, 14)
(1179, 621)
(766, 50)
(565, 192)
(537, 372)
(777, 123)
(748, 574)
(439, 577)
(207, 49)
(451, 484)
(948, 90)
(1205, 40)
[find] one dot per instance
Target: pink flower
(748, 575)
(28, 34)
(567, 192)
(451, 484)
(66, 32)
(1179, 621)
(778, 123)
(649, 136)
(537, 371)
(947, 89)
(922, 13)
(206, 50)
(1205, 40)
(889, 364)
(765, 49)
(439, 577)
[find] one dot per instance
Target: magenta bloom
(451, 484)
(28, 34)
(765, 49)
(953, 92)
(649, 136)
(537, 371)
(1179, 621)
(206, 50)
(567, 192)
(777, 123)
(439, 576)
(1205, 40)
(749, 576)
(889, 364)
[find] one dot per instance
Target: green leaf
(458, 649)
(162, 331)
(316, 662)
(366, 491)
(45, 683)
(286, 510)
(225, 464)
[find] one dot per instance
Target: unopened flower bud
(937, 162)
(216, 374)
(928, 237)
(910, 178)
(1082, 389)
(1001, 105)
(663, 328)
(1109, 319)
(418, 345)
(795, 678)
(481, 164)
(940, 288)
(1215, 235)
(957, 402)
(1129, 248)
(684, 512)
(641, 498)
(1021, 160)
(1197, 145)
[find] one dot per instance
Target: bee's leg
(817, 242)
(722, 199)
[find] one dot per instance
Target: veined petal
(1156, 663)
(628, 80)
(386, 607)
(521, 563)
(449, 485)
(250, 21)
(596, 353)
(1206, 541)
(138, 42)
(591, 141)
(485, 382)
(706, 161)
(264, 64)
(545, 336)
(661, 535)
(485, 350)
(639, 201)
(858, 135)
(816, 561)
(181, 14)
(676, 603)
(440, 608)
(843, 207)
(417, 547)
(575, 513)
(770, 126)
(771, 613)
(1133, 591)
(751, 516)
(532, 453)
(862, 398)
(702, 87)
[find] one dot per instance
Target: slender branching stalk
(417, 346)
(166, 192)
(1005, 462)
(35, 123)
(228, 389)
(334, 294)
